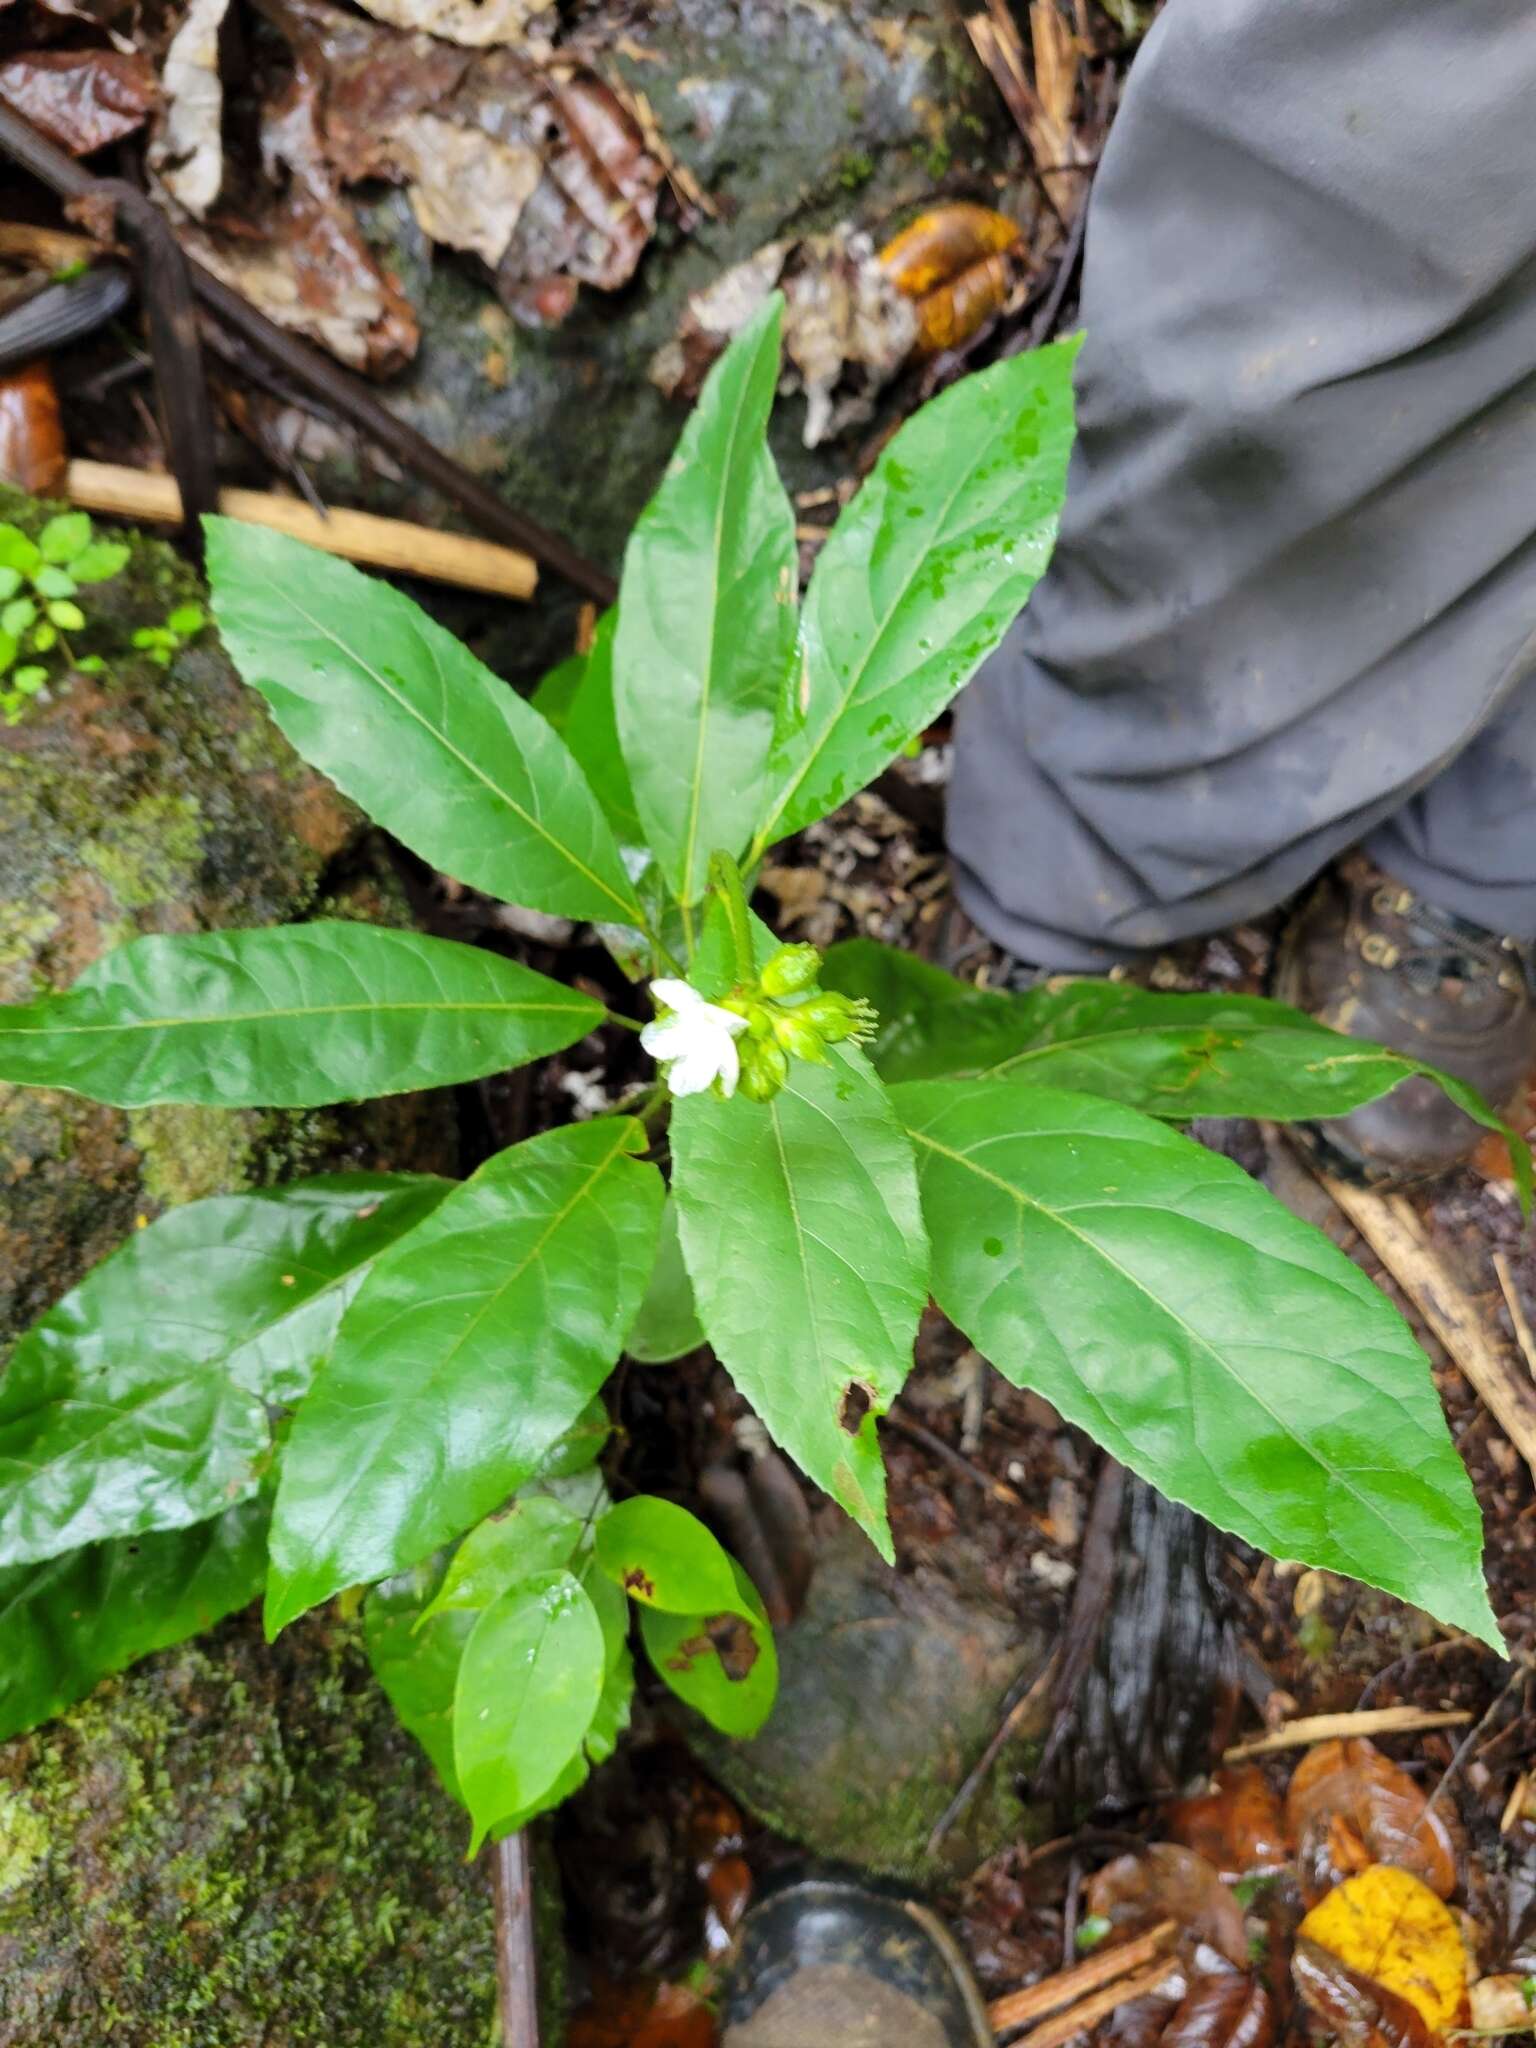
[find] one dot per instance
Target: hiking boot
(832, 1962)
(1373, 959)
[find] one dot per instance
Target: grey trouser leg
(1295, 593)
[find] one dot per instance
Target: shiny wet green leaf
(528, 1687)
(71, 1621)
(706, 627)
(921, 577)
(723, 1665)
(417, 1661)
(592, 734)
(466, 1355)
(404, 720)
(668, 1325)
(1226, 1351)
(287, 1019)
(536, 1534)
(140, 1401)
(816, 1327)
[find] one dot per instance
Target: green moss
(189, 1152)
(236, 1843)
(23, 1841)
(149, 854)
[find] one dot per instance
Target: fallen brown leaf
(80, 99)
(1228, 2011)
(1349, 1806)
(1386, 1925)
(1167, 1882)
(1237, 1825)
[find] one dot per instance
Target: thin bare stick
(147, 494)
(1393, 1231)
(1018, 2008)
(516, 1969)
(1031, 1701)
(920, 1433)
(1517, 1314)
(1079, 2018)
(1328, 1727)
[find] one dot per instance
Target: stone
(891, 1686)
(236, 1842)
(229, 1843)
(793, 115)
(149, 799)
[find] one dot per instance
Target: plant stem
(628, 1023)
(725, 878)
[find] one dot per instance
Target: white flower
(698, 1039)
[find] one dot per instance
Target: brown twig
(1019, 2008)
(1393, 1231)
(1079, 2018)
(516, 1963)
(1328, 1727)
(920, 1433)
(1464, 1747)
(1026, 1696)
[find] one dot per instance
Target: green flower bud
(764, 1069)
(791, 969)
(837, 1017)
(798, 1036)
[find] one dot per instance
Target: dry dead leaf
(1503, 2004)
(80, 99)
(1348, 1806)
(466, 190)
(187, 153)
(960, 264)
(476, 24)
(1168, 1882)
(1237, 1825)
(1388, 1926)
(848, 328)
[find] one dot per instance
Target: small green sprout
(1091, 1932)
(39, 583)
(161, 643)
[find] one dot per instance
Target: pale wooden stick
(1517, 1315)
(1018, 2008)
(1077, 2019)
(360, 536)
(1393, 1231)
(52, 247)
(1364, 1721)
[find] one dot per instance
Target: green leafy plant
(395, 1383)
(40, 581)
(163, 643)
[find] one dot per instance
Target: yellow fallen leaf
(1387, 1924)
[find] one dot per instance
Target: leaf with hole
(1226, 1351)
(724, 1665)
(816, 1326)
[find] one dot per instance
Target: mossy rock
(237, 1843)
(231, 1843)
(162, 800)
(891, 1686)
(793, 115)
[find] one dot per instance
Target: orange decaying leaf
(1237, 1825)
(1349, 1806)
(1387, 1925)
(953, 261)
(32, 451)
(1168, 1882)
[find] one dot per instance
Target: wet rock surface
(892, 1685)
(236, 1843)
(163, 800)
